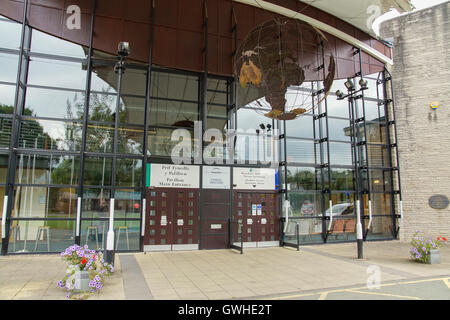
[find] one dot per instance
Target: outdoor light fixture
(123, 49)
(262, 126)
(349, 85)
(339, 94)
(269, 126)
(363, 84)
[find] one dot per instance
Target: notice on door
(254, 178)
(173, 176)
(216, 177)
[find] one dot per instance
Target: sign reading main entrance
(254, 178)
(173, 176)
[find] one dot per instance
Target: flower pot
(434, 257)
(81, 281)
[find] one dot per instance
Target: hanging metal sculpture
(279, 57)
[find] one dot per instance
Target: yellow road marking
(447, 283)
(321, 293)
(323, 296)
(385, 294)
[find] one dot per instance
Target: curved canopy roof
(360, 13)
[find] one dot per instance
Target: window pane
(129, 173)
(8, 67)
(373, 111)
(7, 93)
(303, 179)
(131, 140)
(96, 204)
(250, 119)
(57, 73)
(337, 129)
(10, 31)
(102, 107)
(50, 135)
(3, 170)
(5, 130)
(45, 202)
(99, 137)
(301, 127)
(104, 79)
(378, 156)
(127, 204)
(376, 132)
(41, 236)
(173, 113)
(54, 103)
(127, 235)
(97, 171)
(341, 153)
(37, 169)
(381, 228)
(45, 43)
(342, 179)
(305, 204)
(159, 141)
(337, 108)
(174, 86)
(300, 151)
(379, 180)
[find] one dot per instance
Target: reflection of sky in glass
(8, 67)
(7, 95)
(10, 34)
(44, 43)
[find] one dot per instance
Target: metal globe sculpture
(279, 57)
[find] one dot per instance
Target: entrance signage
(173, 176)
(254, 178)
(216, 177)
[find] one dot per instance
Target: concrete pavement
(265, 273)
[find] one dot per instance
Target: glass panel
(129, 172)
(50, 135)
(381, 227)
(376, 132)
(373, 111)
(305, 203)
(5, 130)
(371, 92)
(3, 169)
(337, 108)
(97, 171)
(96, 203)
(45, 43)
(342, 179)
(54, 103)
(337, 129)
(301, 127)
(34, 169)
(159, 141)
(173, 113)
(300, 151)
(41, 236)
(127, 235)
(174, 86)
(127, 204)
(379, 180)
(104, 79)
(340, 153)
(103, 108)
(250, 119)
(10, 31)
(57, 73)
(93, 233)
(44, 202)
(8, 66)
(378, 156)
(217, 111)
(381, 204)
(131, 140)
(99, 138)
(7, 93)
(303, 179)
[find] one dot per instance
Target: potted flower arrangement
(86, 270)
(425, 249)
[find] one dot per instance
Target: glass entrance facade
(58, 109)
